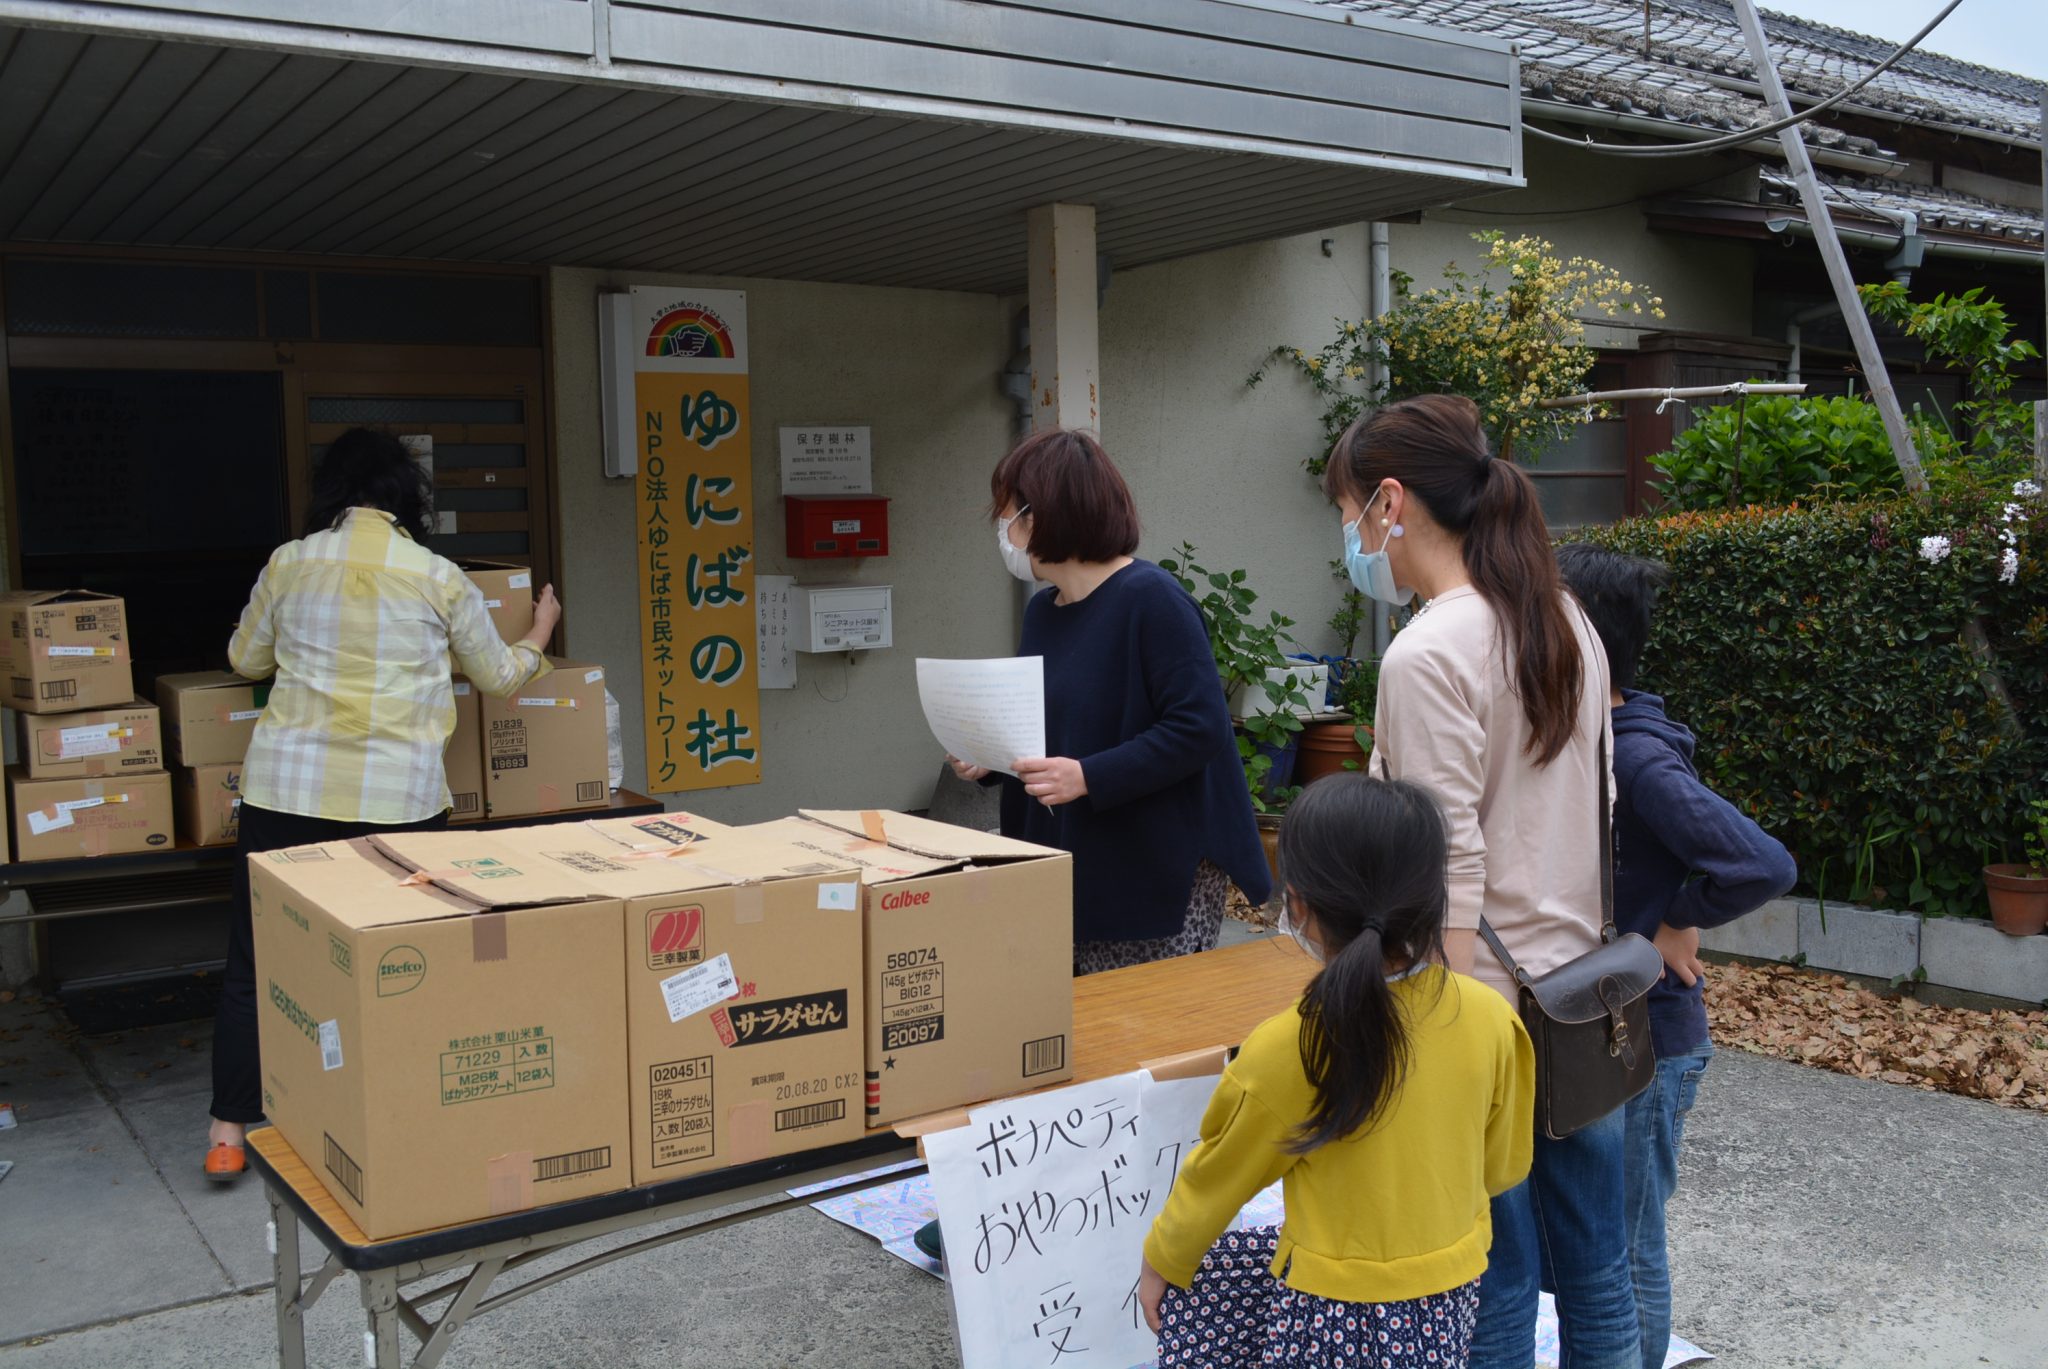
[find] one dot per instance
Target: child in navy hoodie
(1685, 858)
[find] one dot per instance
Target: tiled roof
(1946, 212)
(1697, 70)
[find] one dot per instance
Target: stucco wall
(920, 367)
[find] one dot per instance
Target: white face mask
(1293, 929)
(1016, 559)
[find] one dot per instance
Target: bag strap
(1607, 930)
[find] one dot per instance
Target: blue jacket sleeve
(1739, 866)
(1191, 724)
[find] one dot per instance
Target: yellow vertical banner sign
(697, 526)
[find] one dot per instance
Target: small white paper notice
(988, 713)
(698, 987)
(827, 458)
(330, 1045)
(777, 656)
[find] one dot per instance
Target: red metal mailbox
(821, 526)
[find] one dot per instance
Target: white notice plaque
(827, 458)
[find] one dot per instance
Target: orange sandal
(225, 1163)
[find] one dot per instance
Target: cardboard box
(464, 761)
(63, 819)
(107, 741)
(209, 800)
(210, 716)
(508, 595)
(743, 989)
(66, 650)
(545, 748)
(436, 1049)
(970, 957)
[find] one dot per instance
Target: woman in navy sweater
(1143, 784)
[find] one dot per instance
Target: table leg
(380, 1300)
(291, 1313)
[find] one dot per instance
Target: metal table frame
(463, 1262)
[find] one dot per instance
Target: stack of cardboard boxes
(90, 778)
(210, 718)
(467, 1023)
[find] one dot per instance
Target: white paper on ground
(989, 713)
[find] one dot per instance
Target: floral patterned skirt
(1204, 923)
(1236, 1313)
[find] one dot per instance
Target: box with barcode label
(65, 650)
(66, 819)
(544, 745)
(743, 991)
(127, 740)
(464, 759)
(970, 950)
(508, 595)
(441, 1039)
(210, 715)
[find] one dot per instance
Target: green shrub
(1778, 449)
(1819, 655)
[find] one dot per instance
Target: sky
(2011, 35)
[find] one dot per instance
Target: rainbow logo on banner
(691, 331)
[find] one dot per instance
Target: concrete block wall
(1957, 953)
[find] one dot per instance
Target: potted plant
(1338, 741)
(1256, 672)
(2019, 893)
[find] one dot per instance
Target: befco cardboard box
(464, 760)
(105, 741)
(115, 816)
(209, 801)
(508, 595)
(743, 989)
(210, 716)
(435, 1049)
(66, 650)
(544, 747)
(970, 957)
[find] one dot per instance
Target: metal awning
(892, 142)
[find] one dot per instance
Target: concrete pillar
(1065, 346)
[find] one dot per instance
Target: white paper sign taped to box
(699, 987)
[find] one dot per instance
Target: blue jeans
(1563, 1228)
(1656, 1124)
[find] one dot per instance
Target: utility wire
(1752, 134)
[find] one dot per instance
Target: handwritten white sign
(1044, 1203)
(989, 713)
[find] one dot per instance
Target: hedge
(1819, 654)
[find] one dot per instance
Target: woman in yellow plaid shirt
(357, 621)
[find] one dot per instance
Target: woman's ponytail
(1435, 445)
(1364, 860)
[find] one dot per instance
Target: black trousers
(237, 1070)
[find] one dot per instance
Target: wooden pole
(1874, 372)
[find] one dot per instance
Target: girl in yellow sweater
(1393, 1102)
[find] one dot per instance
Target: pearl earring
(1383, 522)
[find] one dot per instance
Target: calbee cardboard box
(62, 819)
(210, 715)
(66, 650)
(127, 740)
(544, 746)
(743, 989)
(464, 760)
(508, 595)
(209, 799)
(970, 957)
(436, 1048)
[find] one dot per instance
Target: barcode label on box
(494, 603)
(810, 1115)
(346, 1172)
(465, 803)
(88, 652)
(330, 1045)
(57, 691)
(96, 740)
(1045, 1055)
(574, 1163)
(546, 703)
(590, 791)
(697, 988)
(245, 715)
